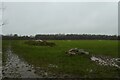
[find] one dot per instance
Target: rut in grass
(17, 68)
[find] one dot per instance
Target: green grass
(76, 65)
(0, 52)
(39, 43)
(5, 45)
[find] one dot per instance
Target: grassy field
(43, 56)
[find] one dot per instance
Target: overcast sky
(30, 18)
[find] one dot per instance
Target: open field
(78, 65)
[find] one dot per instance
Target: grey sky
(30, 18)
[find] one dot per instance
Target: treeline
(76, 37)
(61, 37)
(16, 37)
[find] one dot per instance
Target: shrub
(40, 43)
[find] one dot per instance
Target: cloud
(32, 18)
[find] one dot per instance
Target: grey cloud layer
(69, 17)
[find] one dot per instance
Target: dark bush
(40, 43)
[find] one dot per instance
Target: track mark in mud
(17, 68)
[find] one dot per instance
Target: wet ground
(106, 61)
(17, 68)
(0, 64)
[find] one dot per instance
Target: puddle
(17, 68)
(101, 60)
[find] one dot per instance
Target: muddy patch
(0, 64)
(106, 61)
(17, 68)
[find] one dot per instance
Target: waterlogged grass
(81, 66)
(5, 45)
